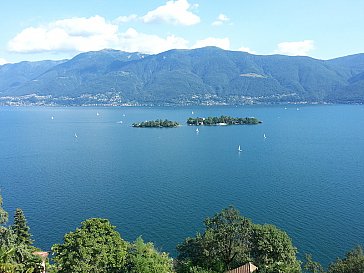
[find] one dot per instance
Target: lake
(306, 176)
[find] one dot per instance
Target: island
(158, 123)
(223, 120)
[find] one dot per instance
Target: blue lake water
(306, 177)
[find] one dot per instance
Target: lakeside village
(116, 99)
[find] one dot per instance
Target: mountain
(202, 75)
(15, 75)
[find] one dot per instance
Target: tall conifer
(21, 228)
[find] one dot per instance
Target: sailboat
(239, 149)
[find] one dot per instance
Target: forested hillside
(191, 76)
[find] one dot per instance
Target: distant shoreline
(42, 104)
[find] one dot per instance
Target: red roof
(246, 268)
(41, 254)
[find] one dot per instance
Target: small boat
(52, 117)
(239, 149)
(120, 122)
(76, 135)
(197, 130)
(192, 113)
(264, 136)
(97, 114)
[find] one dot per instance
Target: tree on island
(227, 120)
(158, 123)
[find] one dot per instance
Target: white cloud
(95, 33)
(133, 41)
(222, 18)
(247, 49)
(126, 19)
(223, 43)
(176, 12)
(75, 34)
(301, 48)
(3, 61)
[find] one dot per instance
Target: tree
(224, 244)
(21, 229)
(191, 253)
(95, 247)
(197, 269)
(353, 262)
(231, 240)
(7, 251)
(15, 249)
(228, 236)
(273, 250)
(312, 266)
(144, 258)
(3, 213)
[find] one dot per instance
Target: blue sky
(58, 29)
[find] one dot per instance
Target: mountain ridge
(180, 76)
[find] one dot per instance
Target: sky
(33, 30)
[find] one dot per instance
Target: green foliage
(158, 123)
(231, 240)
(3, 213)
(21, 228)
(7, 238)
(225, 120)
(6, 262)
(95, 247)
(224, 244)
(272, 250)
(144, 258)
(16, 254)
(352, 263)
(312, 266)
(197, 269)
(184, 76)
(227, 237)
